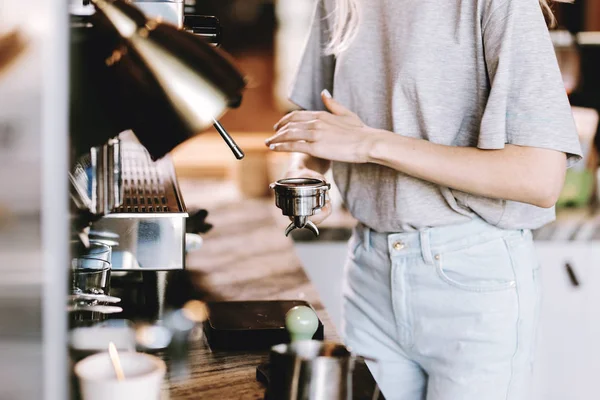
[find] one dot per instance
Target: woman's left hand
(337, 135)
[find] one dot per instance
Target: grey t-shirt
(478, 73)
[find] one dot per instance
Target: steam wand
(237, 152)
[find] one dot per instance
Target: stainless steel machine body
(168, 10)
(171, 11)
(147, 230)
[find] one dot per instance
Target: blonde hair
(345, 19)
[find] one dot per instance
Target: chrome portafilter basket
(300, 198)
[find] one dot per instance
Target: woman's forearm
(524, 174)
(519, 173)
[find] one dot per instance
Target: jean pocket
(483, 267)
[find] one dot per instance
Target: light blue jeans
(449, 312)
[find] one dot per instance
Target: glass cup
(90, 276)
(99, 251)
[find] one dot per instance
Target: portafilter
(300, 198)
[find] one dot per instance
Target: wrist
(297, 162)
(376, 146)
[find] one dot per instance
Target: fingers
(303, 116)
(323, 214)
(292, 147)
(294, 131)
(333, 106)
(290, 135)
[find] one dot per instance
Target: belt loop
(425, 237)
(367, 238)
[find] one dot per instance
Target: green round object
(301, 322)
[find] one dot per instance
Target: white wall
(324, 265)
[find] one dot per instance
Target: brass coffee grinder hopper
(300, 198)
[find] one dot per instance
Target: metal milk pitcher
(310, 370)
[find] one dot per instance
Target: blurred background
(265, 39)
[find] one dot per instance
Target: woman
(449, 133)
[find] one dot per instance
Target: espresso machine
(145, 77)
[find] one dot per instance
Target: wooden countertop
(245, 257)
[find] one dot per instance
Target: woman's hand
(338, 135)
(301, 172)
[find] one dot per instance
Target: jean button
(398, 246)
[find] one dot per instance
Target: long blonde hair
(345, 19)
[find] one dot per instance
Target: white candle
(143, 374)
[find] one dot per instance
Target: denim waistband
(429, 242)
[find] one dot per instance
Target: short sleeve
(315, 71)
(527, 104)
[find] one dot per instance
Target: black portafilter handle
(237, 152)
